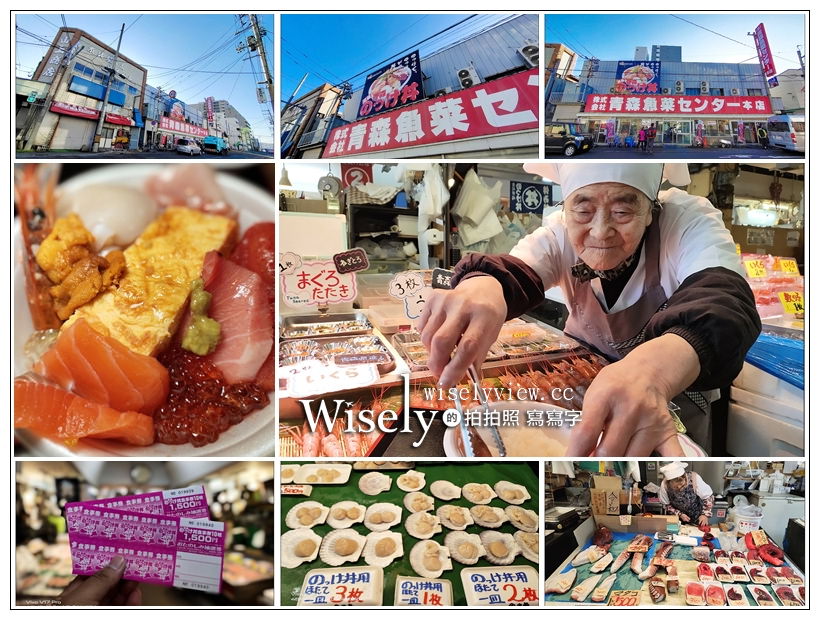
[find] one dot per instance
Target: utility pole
(800, 57)
(256, 44)
(95, 140)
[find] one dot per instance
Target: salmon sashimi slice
(104, 370)
(51, 411)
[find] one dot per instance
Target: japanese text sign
(423, 592)
(789, 265)
(529, 197)
(638, 76)
(442, 278)
(703, 105)
(624, 598)
(169, 124)
(313, 377)
(755, 268)
(409, 286)
(792, 302)
(501, 106)
(317, 283)
(764, 52)
(355, 585)
(188, 502)
(392, 86)
(351, 261)
(500, 585)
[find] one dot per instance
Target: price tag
(356, 585)
(347, 359)
(289, 263)
(792, 302)
(613, 502)
(351, 261)
(442, 278)
(625, 519)
(624, 598)
(500, 586)
(317, 283)
(789, 265)
(297, 489)
(405, 284)
(755, 268)
(313, 377)
(423, 592)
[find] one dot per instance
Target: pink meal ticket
(188, 502)
(162, 549)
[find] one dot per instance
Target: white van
(787, 131)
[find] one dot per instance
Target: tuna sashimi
(266, 375)
(104, 371)
(240, 305)
(255, 251)
(695, 593)
(715, 596)
(50, 411)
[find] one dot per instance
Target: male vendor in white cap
(686, 494)
(652, 281)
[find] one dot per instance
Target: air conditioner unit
(530, 54)
(468, 77)
(735, 91)
(679, 88)
(704, 88)
(443, 91)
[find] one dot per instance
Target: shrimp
(311, 441)
(331, 446)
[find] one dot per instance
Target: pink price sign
(317, 283)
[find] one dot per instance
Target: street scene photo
(130, 86)
(672, 86)
(410, 86)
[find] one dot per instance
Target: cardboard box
(639, 525)
(607, 483)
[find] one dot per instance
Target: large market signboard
(392, 86)
(659, 105)
(501, 106)
(638, 76)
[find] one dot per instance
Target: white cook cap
(644, 177)
(673, 470)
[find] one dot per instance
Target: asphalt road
(691, 153)
(140, 155)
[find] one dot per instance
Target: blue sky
(172, 42)
(614, 37)
(333, 48)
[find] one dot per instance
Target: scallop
(489, 516)
(454, 517)
(446, 490)
(381, 548)
(345, 514)
(476, 493)
(501, 548)
(287, 472)
(510, 492)
(374, 483)
(522, 519)
(528, 543)
(411, 481)
(299, 546)
(464, 548)
(306, 514)
(382, 516)
(341, 546)
(429, 559)
(422, 525)
(418, 502)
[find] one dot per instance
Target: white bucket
(747, 524)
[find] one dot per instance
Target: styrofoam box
(753, 379)
(781, 408)
(755, 433)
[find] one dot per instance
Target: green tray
(459, 474)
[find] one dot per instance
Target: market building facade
(80, 72)
(689, 103)
(475, 97)
(167, 119)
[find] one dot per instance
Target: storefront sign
(209, 109)
(423, 592)
(659, 105)
(501, 106)
(356, 174)
(117, 119)
(70, 109)
(792, 302)
(318, 283)
(59, 51)
(392, 86)
(764, 52)
(528, 197)
(500, 585)
(354, 585)
(169, 124)
(638, 76)
(624, 598)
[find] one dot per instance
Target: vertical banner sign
(634, 76)
(209, 109)
(529, 197)
(356, 174)
(764, 53)
(394, 85)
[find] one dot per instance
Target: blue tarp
(782, 357)
(138, 119)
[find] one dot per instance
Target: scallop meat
(299, 546)
(476, 493)
(341, 546)
(528, 543)
(418, 502)
(411, 481)
(374, 482)
(306, 514)
(381, 548)
(501, 548)
(422, 525)
(345, 514)
(382, 516)
(489, 516)
(464, 548)
(523, 519)
(287, 472)
(510, 492)
(454, 517)
(429, 559)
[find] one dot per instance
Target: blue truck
(215, 144)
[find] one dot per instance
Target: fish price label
(624, 598)
(500, 586)
(332, 587)
(755, 268)
(792, 302)
(422, 592)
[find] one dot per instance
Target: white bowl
(254, 436)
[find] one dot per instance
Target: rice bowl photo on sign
(144, 330)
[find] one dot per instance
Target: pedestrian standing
(651, 133)
(642, 139)
(763, 136)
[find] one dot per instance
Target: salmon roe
(201, 404)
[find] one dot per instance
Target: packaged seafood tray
(411, 348)
(324, 325)
(340, 351)
(521, 339)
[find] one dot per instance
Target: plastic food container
(389, 318)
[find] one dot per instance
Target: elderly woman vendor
(686, 494)
(652, 281)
